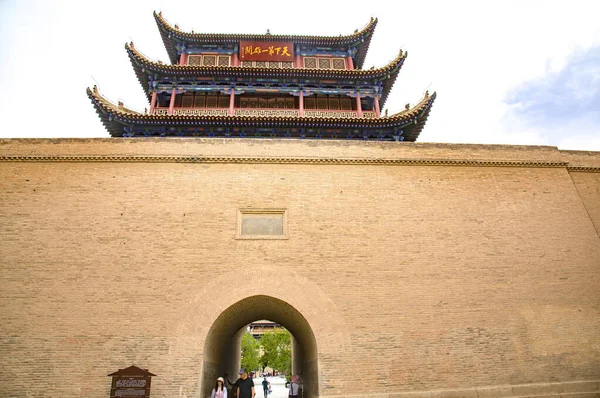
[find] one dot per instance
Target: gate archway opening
(222, 348)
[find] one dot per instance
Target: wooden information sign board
(130, 382)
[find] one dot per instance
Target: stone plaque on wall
(261, 224)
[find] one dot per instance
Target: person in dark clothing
(245, 385)
(232, 385)
(265, 385)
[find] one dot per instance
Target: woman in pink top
(219, 391)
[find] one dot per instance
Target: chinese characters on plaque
(266, 51)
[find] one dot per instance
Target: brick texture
(396, 280)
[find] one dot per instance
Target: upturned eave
(114, 117)
(143, 67)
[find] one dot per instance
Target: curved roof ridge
(171, 35)
(369, 27)
(138, 55)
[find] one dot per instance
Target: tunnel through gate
(223, 343)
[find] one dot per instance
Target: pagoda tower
(264, 85)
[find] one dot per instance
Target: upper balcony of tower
(266, 50)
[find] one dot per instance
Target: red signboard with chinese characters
(266, 51)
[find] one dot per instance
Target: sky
(506, 72)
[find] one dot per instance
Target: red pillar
(376, 103)
(235, 60)
(350, 63)
(358, 105)
(301, 98)
(299, 61)
(183, 59)
(172, 103)
(153, 102)
(231, 102)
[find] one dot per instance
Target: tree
(250, 356)
(277, 350)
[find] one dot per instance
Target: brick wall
(411, 272)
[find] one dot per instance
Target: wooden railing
(263, 112)
(266, 112)
(337, 114)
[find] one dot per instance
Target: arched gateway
(223, 342)
(238, 297)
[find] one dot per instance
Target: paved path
(277, 385)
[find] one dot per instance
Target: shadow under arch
(223, 341)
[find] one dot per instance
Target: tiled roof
(144, 66)
(114, 117)
(171, 35)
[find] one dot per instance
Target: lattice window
(272, 103)
(195, 60)
(243, 102)
(223, 60)
(281, 103)
(346, 104)
(263, 103)
(209, 60)
(309, 103)
(310, 62)
(289, 103)
(339, 63)
(252, 103)
(322, 103)
(187, 101)
(334, 103)
(261, 64)
(223, 101)
(247, 64)
(211, 101)
(324, 63)
(199, 101)
(287, 64)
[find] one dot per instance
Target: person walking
(265, 385)
(245, 385)
(220, 391)
(294, 387)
